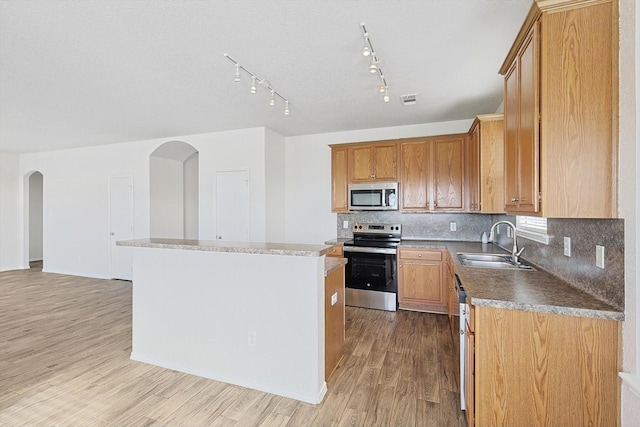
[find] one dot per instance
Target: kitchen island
(250, 314)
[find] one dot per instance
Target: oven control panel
(369, 228)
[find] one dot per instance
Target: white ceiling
(79, 73)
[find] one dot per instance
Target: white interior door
(121, 226)
(232, 206)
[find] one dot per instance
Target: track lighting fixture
(257, 81)
(374, 67)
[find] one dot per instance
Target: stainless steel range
(371, 278)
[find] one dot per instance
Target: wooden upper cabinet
(485, 164)
(521, 121)
(373, 162)
(339, 170)
(473, 168)
(448, 173)
(414, 175)
(561, 110)
(432, 173)
(511, 177)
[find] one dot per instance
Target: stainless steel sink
(485, 257)
(483, 260)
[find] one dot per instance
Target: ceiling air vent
(407, 100)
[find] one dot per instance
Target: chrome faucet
(515, 254)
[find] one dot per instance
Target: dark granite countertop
(526, 290)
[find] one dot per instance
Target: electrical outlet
(251, 339)
(334, 299)
(567, 246)
(452, 226)
(345, 224)
(600, 256)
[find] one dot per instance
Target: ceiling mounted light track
(257, 81)
(374, 67)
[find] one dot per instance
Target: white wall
(10, 223)
(629, 195)
(275, 186)
(76, 239)
(35, 216)
(191, 194)
(308, 162)
(167, 198)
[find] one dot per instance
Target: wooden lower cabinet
(533, 368)
(334, 321)
(453, 304)
(421, 281)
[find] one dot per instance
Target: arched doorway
(173, 187)
(33, 256)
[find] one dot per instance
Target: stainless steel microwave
(375, 196)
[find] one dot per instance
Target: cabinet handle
(515, 199)
(461, 331)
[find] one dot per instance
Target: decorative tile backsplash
(580, 269)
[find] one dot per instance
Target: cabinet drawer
(420, 254)
(336, 251)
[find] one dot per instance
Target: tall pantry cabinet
(560, 110)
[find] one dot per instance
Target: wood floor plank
(65, 345)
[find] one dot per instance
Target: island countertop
(289, 249)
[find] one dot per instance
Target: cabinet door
(470, 369)
(339, 196)
(492, 166)
(385, 159)
(421, 282)
(361, 164)
(414, 167)
(448, 173)
(511, 187)
(473, 170)
(528, 142)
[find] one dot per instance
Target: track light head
(385, 98)
(237, 75)
(373, 68)
(272, 101)
(366, 50)
(286, 108)
(253, 88)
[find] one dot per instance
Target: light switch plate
(452, 226)
(567, 246)
(600, 256)
(334, 299)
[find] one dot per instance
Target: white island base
(251, 319)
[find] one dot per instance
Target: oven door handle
(369, 250)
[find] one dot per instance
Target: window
(532, 228)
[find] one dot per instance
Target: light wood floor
(65, 344)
